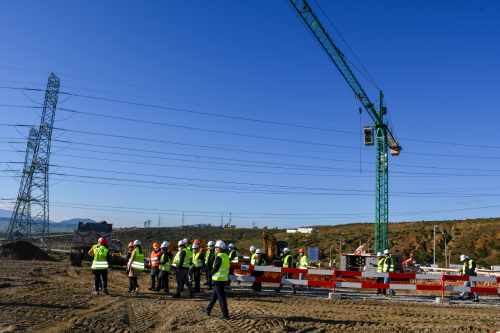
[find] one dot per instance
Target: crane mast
(384, 138)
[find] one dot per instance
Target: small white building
(302, 231)
(307, 231)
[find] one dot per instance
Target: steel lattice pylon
(30, 218)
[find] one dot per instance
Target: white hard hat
(379, 254)
(210, 244)
(252, 248)
(137, 242)
(258, 251)
(185, 240)
(463, 257)
(220, 244)
(387, 252)
(164, 244)
(181, 242)
(195, 246)
(231, 245)
(286, 249)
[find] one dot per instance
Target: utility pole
(435, 225)
(340, 258)
(182, 224)
(445, 261)
(34, 186)
(159, 221)
(222, 220)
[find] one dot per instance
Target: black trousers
(231, 272)
(220, 295)
(381, 291)
(209, 277)
(197, 278)
(287, 276)
(98, 274)
(133, 282)
(163, 281)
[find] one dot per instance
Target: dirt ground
(55, 297)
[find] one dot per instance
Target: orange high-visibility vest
(155, 256)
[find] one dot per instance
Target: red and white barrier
(336, 273)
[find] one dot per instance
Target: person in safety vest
(100, 265)
(287, 263)
(191, 268)
(209, 262)
(198, 259)
(220, 275)
(183, 264)
(165, 260)
(129, 254)
(154, 263)
(99, 285)
(252, 258)
(233, 260)
(259, 261)
(303, 264)
(468, 269)
(380, 268)
(136, 265)
(388, 268)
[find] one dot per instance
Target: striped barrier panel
(331, 272)
(334, 284)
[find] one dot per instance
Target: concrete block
(442, 300)
(334, 296)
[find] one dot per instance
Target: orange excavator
(273, 249)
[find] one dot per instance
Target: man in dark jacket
(220, 275)
(183, 269)
(287, 263)
(209, 263)
(468, 269)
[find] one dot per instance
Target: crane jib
(338, 59)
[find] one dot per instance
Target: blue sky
(436, 62)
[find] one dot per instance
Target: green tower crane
(378, 134)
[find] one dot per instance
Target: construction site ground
(38, 296)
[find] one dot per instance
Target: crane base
(442, 300)
(334, 296)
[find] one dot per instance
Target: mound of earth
(22, 250)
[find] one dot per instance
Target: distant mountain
(63, 226)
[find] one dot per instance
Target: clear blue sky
(436, 62)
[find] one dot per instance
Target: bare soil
(56, 297)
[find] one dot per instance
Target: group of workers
(191, 260)
(385, 265)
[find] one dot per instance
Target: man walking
(183, 269)
(468, 269)
(288, 263)
(220, 275)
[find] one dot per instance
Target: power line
(372, 80)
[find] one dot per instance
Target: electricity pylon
(30, 218)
